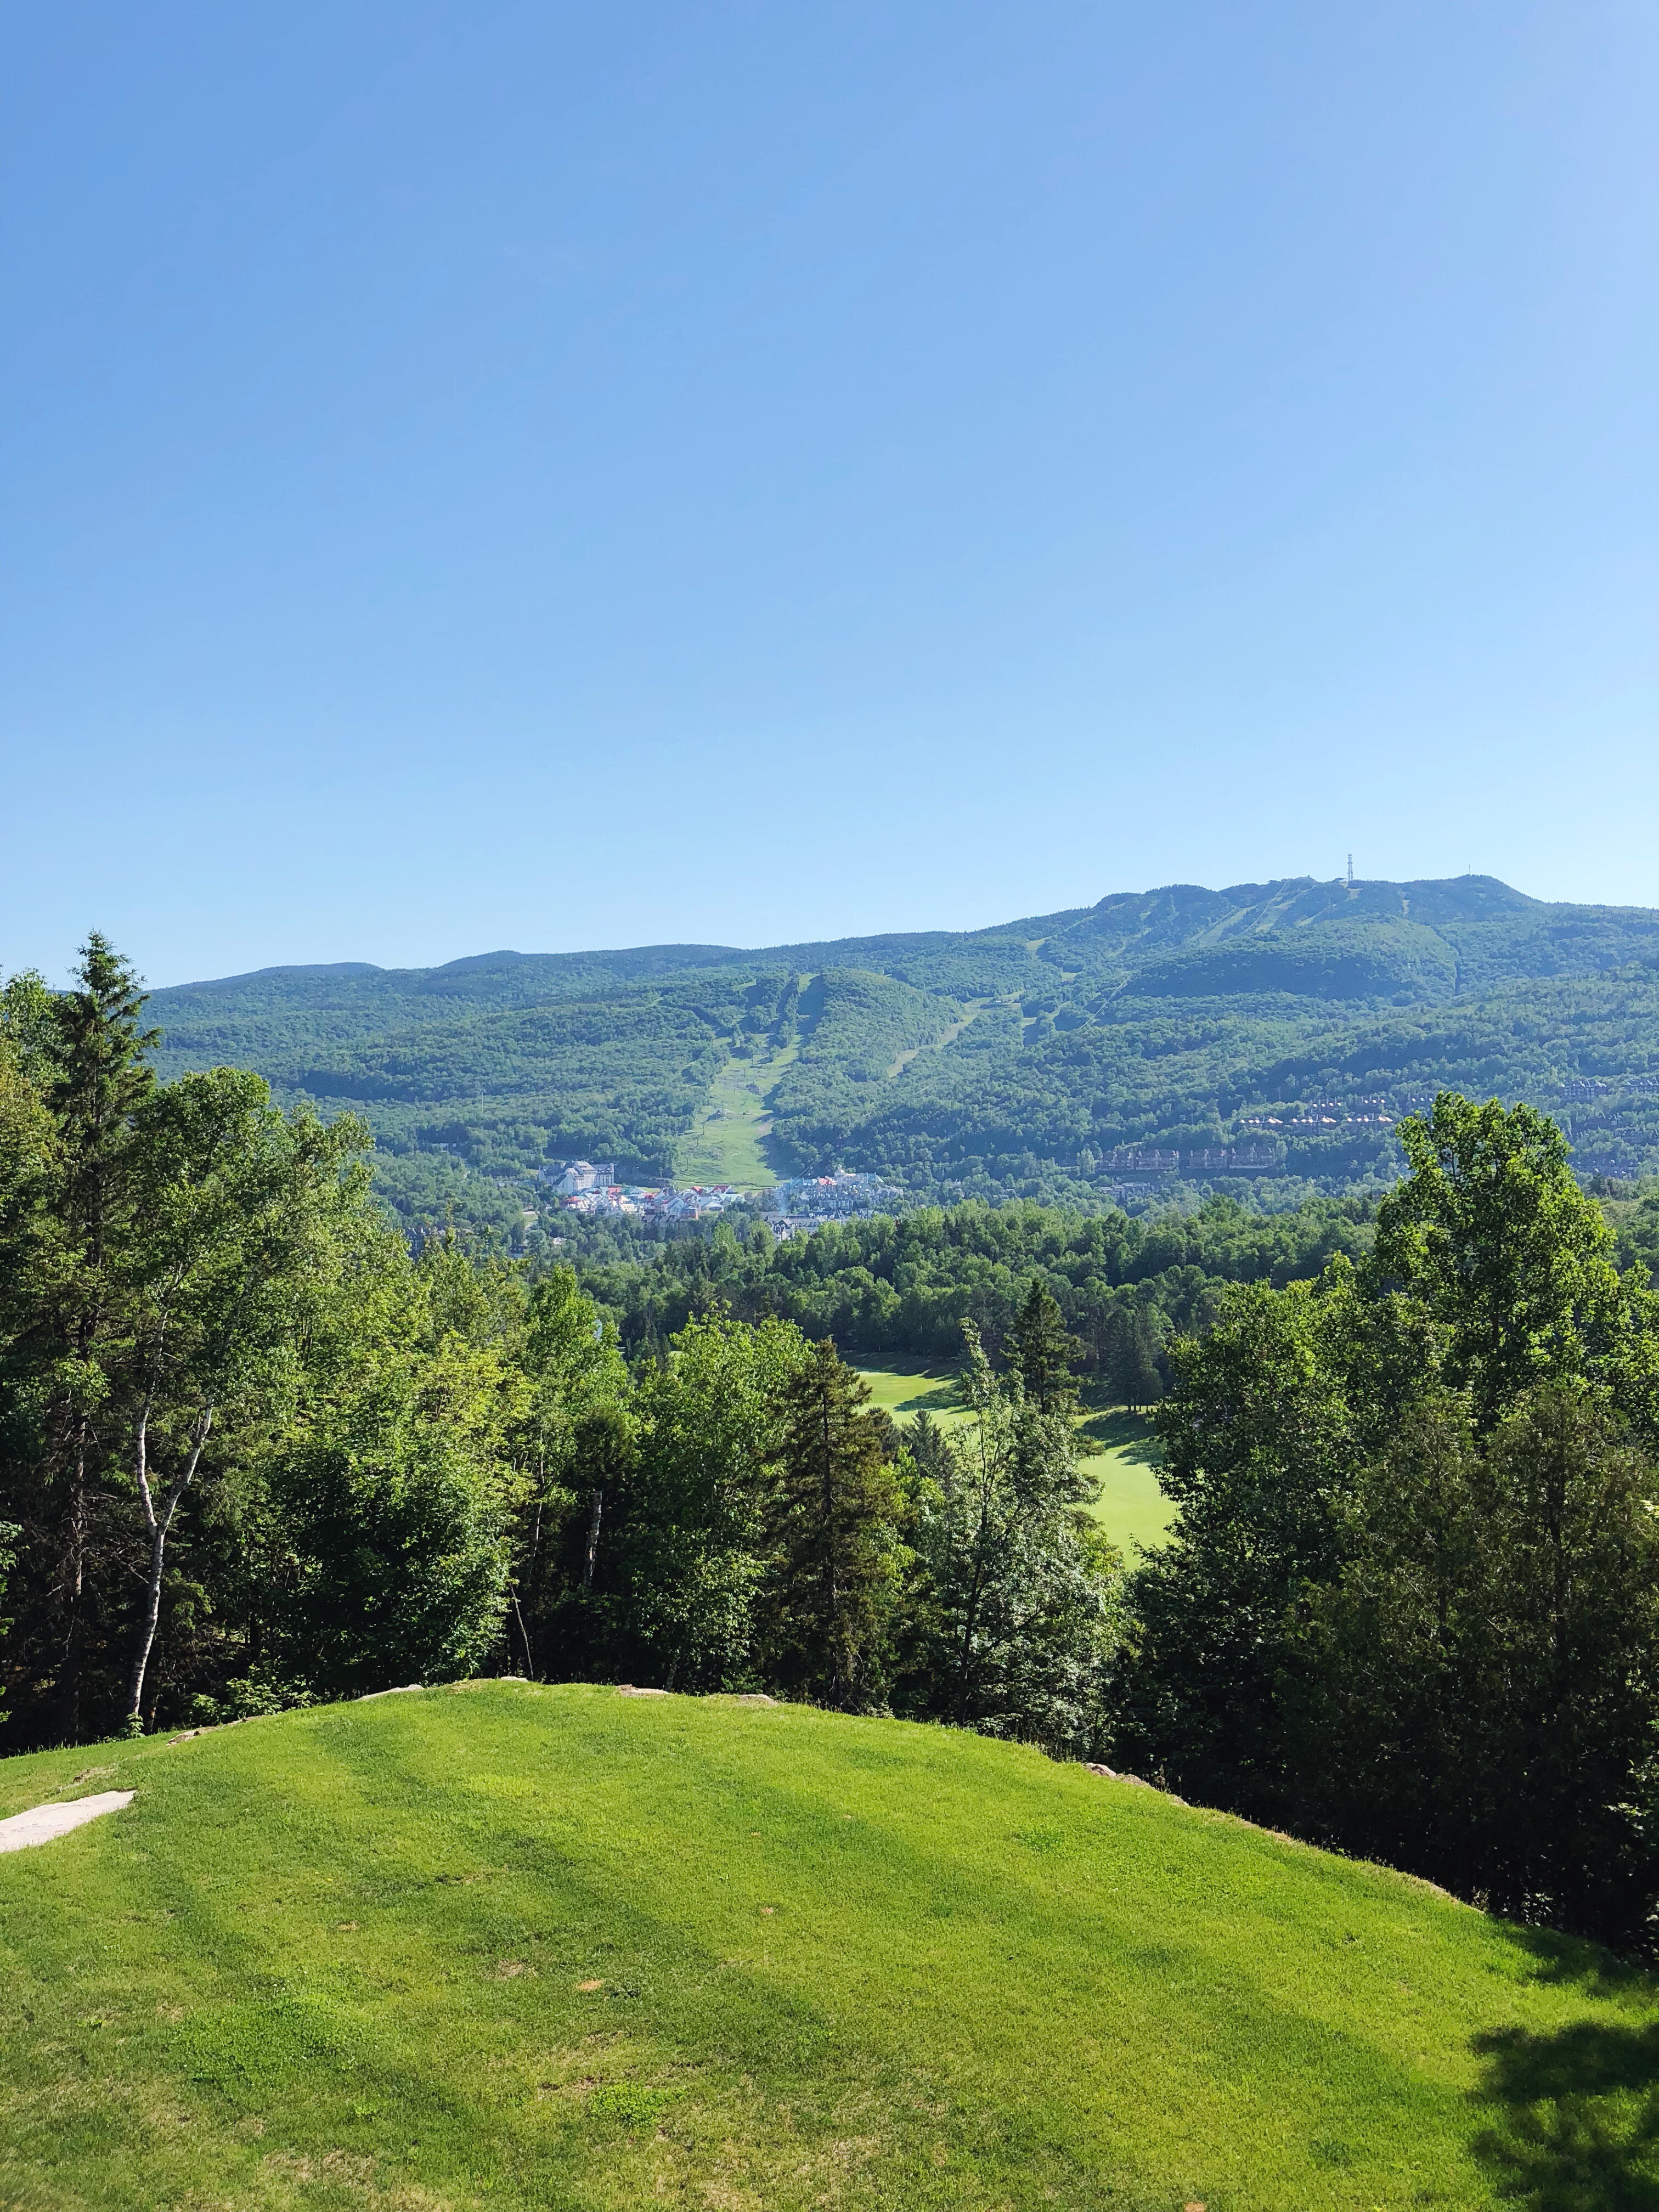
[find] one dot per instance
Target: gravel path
(46, 1821)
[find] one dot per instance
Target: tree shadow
(1573, 2116)
(1130, 1435)
(939, 1383)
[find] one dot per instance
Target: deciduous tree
(1018, 1602)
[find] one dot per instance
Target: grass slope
(904, 1387)
(1130, 1507)
(504, 1946)
(727, 1142)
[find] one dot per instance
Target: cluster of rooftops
(590, 1186)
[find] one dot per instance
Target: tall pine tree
(1041, 1352)
(64, 1313)
(835, 1555)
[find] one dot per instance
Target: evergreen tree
(1409, 1599)
(1131, 1356)
(100, 1075)
(204, 1326)
(74, 1230)
(1483, 1677)
(1269, 1417)
(1041, 1352)
(929, 1447)
(836, 1563)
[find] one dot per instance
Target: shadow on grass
(1128, 1434)
(938, 1382)
(1572, 2118)
(949, 1399)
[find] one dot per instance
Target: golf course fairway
(498, 1945)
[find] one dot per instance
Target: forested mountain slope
(1267, 1030)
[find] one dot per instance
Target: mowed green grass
(507, 1946)
(904, 1387)
(1130, 1507)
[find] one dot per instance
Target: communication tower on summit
(1350, 871)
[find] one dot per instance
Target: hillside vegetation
(1259, 1031)
(897, 1940)
(906, 1284)
(259, 1450)
(503, 1945)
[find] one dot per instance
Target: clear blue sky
(519, 473)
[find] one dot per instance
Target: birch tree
(237, 1203)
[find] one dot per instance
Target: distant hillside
(1268, 1030)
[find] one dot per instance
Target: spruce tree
(1041, 1352)
(100, 1075)
(1132, 1357)
(835, 1554)
(91, 1062)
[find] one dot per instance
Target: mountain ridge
(1043, 1056)
(1243, 896)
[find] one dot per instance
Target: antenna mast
(1350, 871)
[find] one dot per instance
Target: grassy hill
(502, 1946)
(1261, 1030)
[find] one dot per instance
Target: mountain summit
(1266, 1036)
